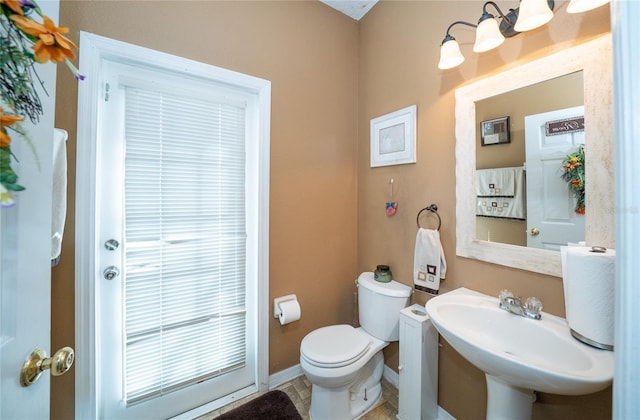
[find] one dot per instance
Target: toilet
(344, 364)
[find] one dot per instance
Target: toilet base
(352, 400)
(360, 406)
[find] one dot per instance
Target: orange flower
(13, 5)
(6, 120)
(51, 44)
(5, 140)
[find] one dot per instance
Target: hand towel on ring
(429, 263)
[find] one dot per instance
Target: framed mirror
(593, 59)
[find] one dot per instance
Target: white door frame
(94, 49)
(626, 65)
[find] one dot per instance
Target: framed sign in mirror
(496, 131)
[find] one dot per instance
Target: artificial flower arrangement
(573, 174)
(23, 42)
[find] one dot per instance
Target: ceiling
(355, 9)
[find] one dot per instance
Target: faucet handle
(503, 296)
(533, 307)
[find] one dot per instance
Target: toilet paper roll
(589, 286)
(289, 311)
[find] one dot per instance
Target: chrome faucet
(530, 309)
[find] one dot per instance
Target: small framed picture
(496, 131)
(393, 138)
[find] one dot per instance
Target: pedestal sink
(518, 355)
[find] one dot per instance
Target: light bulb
(488, 35)
(450, 55)
(533, 14)
(579, 6)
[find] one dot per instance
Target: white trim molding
(285, 376)
(626, 63)
(94, 50)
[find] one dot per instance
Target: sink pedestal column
(505, 401)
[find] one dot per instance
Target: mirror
(593, 58)
(511, 224)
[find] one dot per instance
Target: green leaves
(8, 177)
(574, 174)
(16, 71)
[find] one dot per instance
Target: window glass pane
(185, 241)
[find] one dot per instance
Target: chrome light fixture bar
(491, 32)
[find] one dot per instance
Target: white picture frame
(393, 138)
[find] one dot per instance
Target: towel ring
(433, 208)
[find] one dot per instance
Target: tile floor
(299, 390)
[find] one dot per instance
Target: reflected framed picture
(393, 138)
(496, 131)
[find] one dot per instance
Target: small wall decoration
(393, 138)
(391, 206)
(496, 131)
(568, 125)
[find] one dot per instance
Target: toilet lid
(334, 346)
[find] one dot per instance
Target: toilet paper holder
(277, 301)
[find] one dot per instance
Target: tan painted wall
(309, 53)
(398, 56)
(330, 76)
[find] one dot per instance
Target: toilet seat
(334, 346)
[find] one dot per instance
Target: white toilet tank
(379, 306)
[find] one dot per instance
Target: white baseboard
(283, 376)
(389, 374)
(444, 415)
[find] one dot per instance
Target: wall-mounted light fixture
(579, 6)
(491, 31)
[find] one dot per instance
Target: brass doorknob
(534, 232)
(38, 362)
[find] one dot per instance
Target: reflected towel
(505, 207)
(496, 182)
(59, 202)
(429, 263)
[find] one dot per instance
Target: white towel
(505, 207)
(496, 182)
(59, 208)
(429, 264)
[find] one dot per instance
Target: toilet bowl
(345, 364)
(351, 358)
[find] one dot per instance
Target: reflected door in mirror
(551, 218)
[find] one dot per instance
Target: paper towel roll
(289, 311)
(589, 286)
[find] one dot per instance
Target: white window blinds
(185, 241)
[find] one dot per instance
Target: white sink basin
(517, 353)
